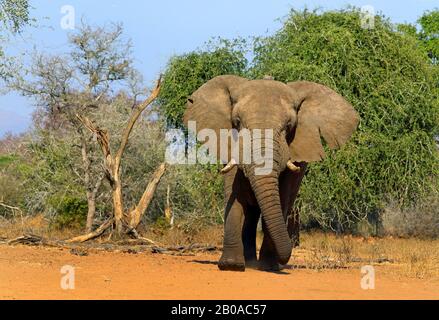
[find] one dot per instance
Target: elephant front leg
(232, 258)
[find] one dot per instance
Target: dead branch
(127, 245)
(27, 239)
(138, 237)
(101, 135)
(185, 250)
(137, 111)
(13, 209)
(139, 211)
(34, 240)
(93, 234)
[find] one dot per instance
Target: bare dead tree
(126, 222)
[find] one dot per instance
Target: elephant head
(299, 115)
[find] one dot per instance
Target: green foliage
(71, 211)
(12, 176)
(186, 73)
(6, 160)
(199, 193)
(11, 189)
(430, 34)
(48, 174)
(14, 14)
(387, 78)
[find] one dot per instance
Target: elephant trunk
(266, 190)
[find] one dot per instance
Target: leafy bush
(12, 190)
(429, 35)
(6, 160)
(11, 193)
(199, 193)
(71, 212)
(186, 73)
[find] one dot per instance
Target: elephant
(299, 114)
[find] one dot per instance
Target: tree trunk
(93, 234)
(91, 190)
(118, 203)
(91, 203)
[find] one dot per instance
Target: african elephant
(298, 113)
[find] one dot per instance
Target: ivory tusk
(292, 166)
(229, 166)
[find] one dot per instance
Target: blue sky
(160, 29)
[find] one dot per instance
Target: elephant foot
(252, 264)
(269, 264)
(231, 264)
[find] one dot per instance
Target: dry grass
(212, 235)
(412, 257)
(421, 220)
(37, 225)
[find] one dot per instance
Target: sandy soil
(35, 273)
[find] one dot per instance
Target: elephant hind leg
(249, 234)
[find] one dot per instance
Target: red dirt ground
(34, 273)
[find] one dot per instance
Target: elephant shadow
(281, 272)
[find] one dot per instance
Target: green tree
(429, 34)
(185, 73)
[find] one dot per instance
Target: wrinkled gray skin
(300, 113)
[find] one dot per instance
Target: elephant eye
(290, 124)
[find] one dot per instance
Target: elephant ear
(321, 112)
(211, 105)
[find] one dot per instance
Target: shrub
(186, 73)
(389, 79)
(71, 212)
(11, 193)
(420, 220)
(12, 190)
